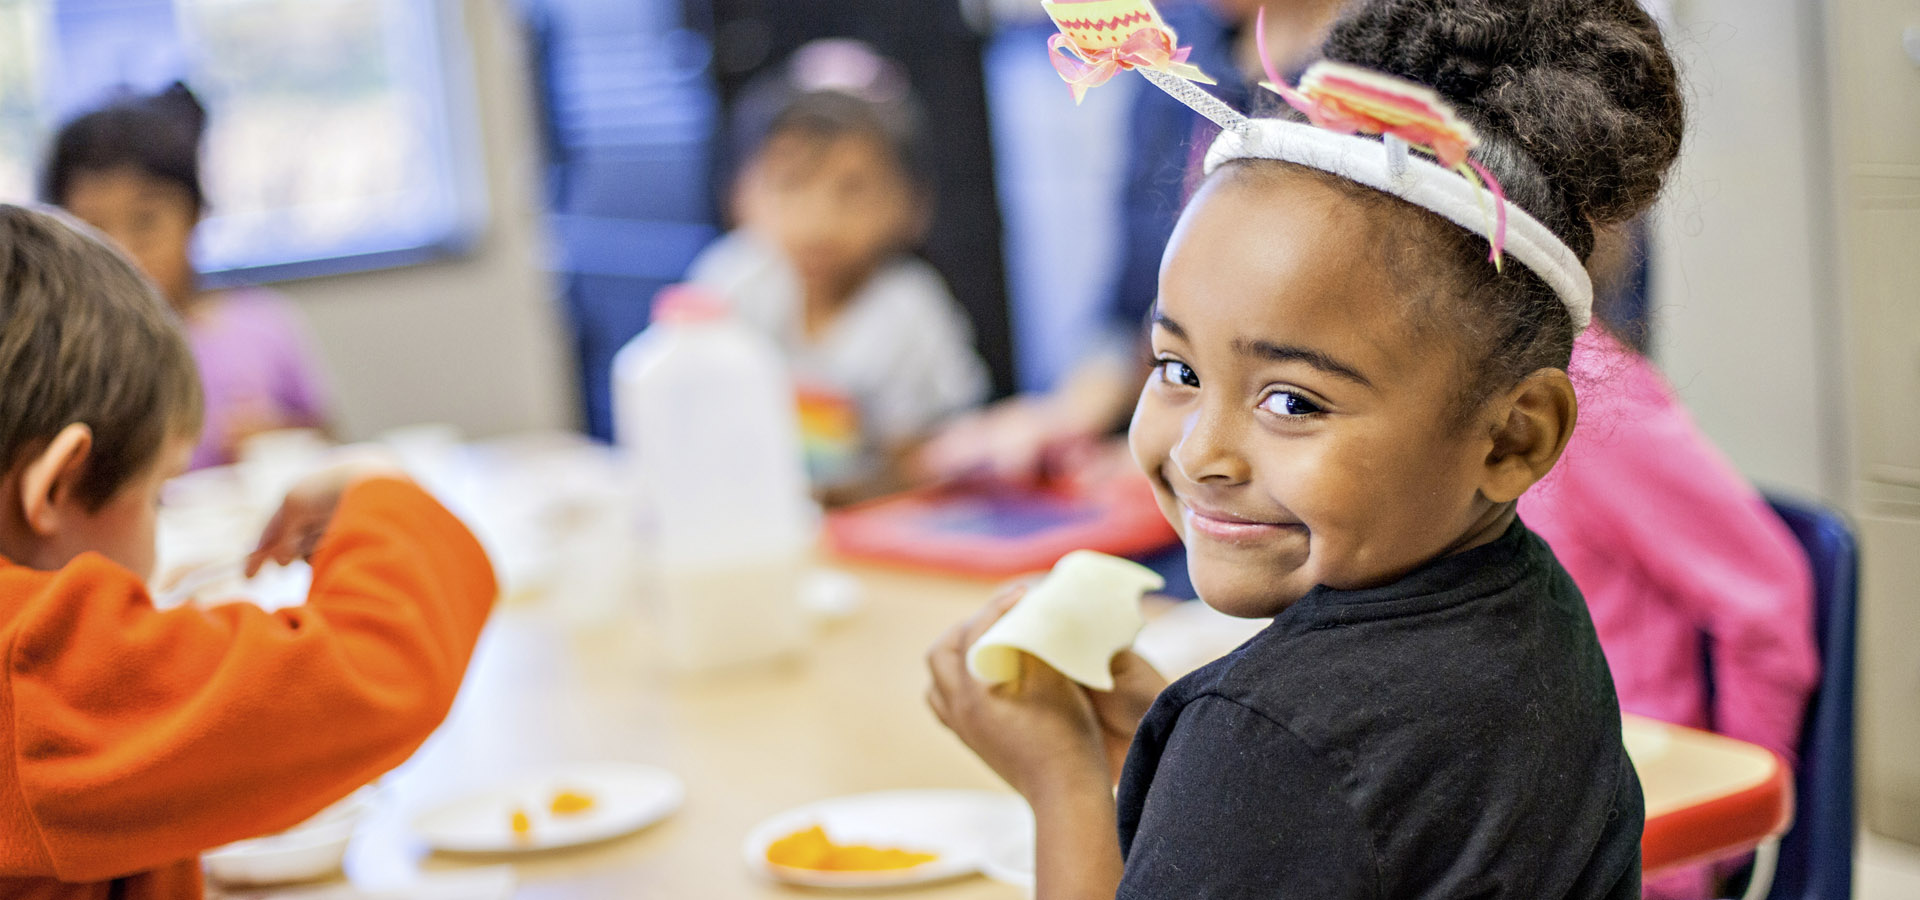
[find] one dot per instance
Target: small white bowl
(310, 850)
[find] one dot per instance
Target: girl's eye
(1176, 372)
(1288, 403)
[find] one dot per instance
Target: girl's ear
(50, 479)
(1532, 425)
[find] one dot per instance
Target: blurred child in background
(132, 170)
(828, 205)
(137, 738)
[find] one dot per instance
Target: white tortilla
(1085, 611)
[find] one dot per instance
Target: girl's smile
(1233, 528)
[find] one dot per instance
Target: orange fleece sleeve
(144, 737)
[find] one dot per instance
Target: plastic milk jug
(704, 414)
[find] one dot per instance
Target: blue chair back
(1816, 856)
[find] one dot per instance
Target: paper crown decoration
(1103, 37)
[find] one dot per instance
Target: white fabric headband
(1388, 166)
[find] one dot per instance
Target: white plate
(627, 798)
(959, 826)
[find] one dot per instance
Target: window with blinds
(341, 133)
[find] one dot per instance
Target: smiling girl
(1348, 399)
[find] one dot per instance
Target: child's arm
(144, 737)
(1042, 735)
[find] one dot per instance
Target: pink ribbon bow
(1148, 48)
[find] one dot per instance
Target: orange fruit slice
(812, 849)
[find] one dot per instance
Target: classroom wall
(475, 341)
(1875, 108)
(1744, 320)
(1787, 315)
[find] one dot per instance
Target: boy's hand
(1136, 684)
(1040, 732)
(295, 529)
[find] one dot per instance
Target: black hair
(1578, 107)
(827, 90)
(157, 135)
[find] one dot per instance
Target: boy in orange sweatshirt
(134, 738)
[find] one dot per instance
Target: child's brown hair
(85, 339)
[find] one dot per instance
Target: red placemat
(1001, 531)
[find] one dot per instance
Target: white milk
(704, 413)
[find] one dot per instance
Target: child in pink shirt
(131, 169)
(1668, 542)
(257, 367)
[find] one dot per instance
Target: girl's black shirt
(1454, 734)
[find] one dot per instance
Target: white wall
(1744, 323)
(474, 341)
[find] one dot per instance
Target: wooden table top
(848, 717)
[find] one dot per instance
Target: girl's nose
(1208, 451)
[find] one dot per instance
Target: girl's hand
(1135, 686)
(1040, 732)
(296, 528)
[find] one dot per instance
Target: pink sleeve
(1673, 504)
